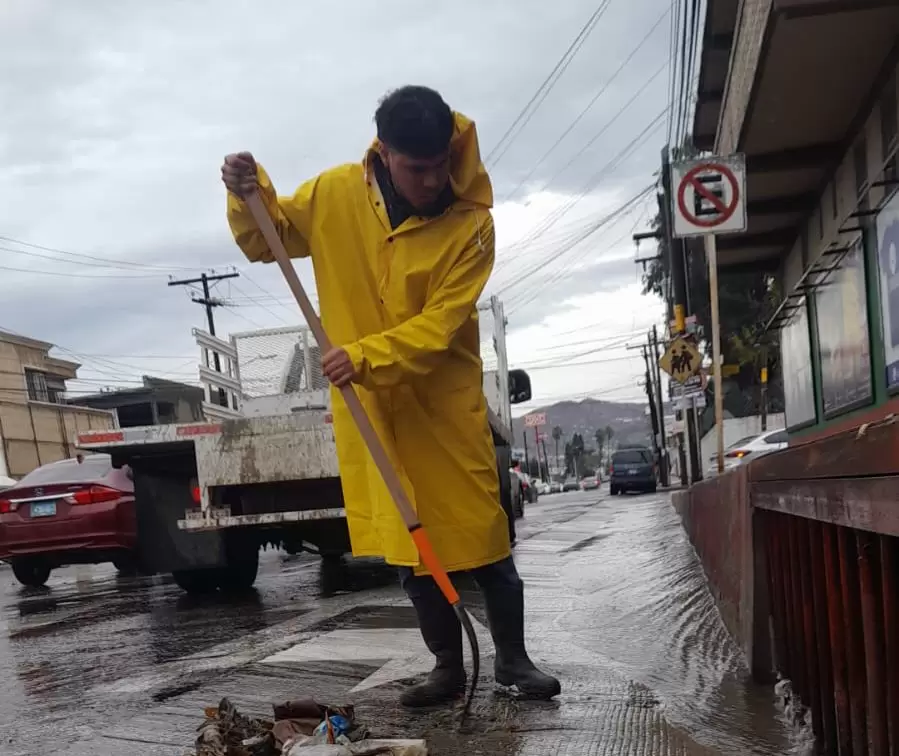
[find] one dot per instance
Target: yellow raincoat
(403, 304)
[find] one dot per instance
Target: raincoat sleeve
(292, 217)
(412, 349)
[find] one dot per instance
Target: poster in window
(842, 314)
(888, 270)
(796, 362)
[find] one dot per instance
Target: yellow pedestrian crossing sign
(681, 360)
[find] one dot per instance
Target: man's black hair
(415, 121)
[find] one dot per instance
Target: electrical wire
(569, 269)
(111, 262)
(552, 218)
(605, 220)
(587, 108)
(545, 87)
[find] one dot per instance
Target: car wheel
(32, 573)
(197, 582)
(126, 565)
(652, 488)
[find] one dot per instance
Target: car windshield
(632, 457)
(70, 471)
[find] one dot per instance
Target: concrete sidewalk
(614, 610)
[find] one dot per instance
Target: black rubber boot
(504, 598)
(442, 634)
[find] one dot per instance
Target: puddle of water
(648, 611)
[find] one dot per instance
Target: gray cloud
(123, 109)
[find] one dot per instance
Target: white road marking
(403, 649)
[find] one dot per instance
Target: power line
(523, 298)
(640, 90)
(605, 220)
(96, 258)
(594, 180)
(31, 271)
(589, 105)
(547, 85)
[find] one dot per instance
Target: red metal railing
(834, 605)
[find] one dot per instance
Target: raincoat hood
(468, 176)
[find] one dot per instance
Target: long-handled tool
(370, 437)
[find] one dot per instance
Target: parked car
(571, 484)
(750, 448)
(589, 484)
(632, 469)
(77, 511)
(542, 486)
(555, 487)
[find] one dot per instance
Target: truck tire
(32, 573)
(197, 582)
(239, 574)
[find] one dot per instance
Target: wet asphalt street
(617, 608)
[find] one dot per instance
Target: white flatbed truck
(262, 469)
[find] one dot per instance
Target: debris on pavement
(299, 728)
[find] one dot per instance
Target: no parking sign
(709, 196)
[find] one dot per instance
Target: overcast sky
(117, 114)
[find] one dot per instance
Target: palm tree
(557, 436)
(600, 437)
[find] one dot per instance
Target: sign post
(536, 421)
(709, 199)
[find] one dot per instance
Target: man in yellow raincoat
(402, 245)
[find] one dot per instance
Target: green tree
(574, 454)
(747, 300)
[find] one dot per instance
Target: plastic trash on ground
(299, 728)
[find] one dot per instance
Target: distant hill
(628, 420)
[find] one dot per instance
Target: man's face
(419, 181)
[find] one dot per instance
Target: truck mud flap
(161, 500)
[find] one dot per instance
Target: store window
(888, 276)
(843, 344)
(796, 362)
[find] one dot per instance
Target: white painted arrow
(402, 647)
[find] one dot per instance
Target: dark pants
(499, 576)
(503, 593)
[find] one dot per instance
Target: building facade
(808, 92)
(36, 424)
(157, 402)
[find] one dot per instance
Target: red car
(77, 511)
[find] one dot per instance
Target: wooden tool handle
(360, 416)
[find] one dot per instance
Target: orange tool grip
(430, 560)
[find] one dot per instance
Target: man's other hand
(338, 367)
(239, 174)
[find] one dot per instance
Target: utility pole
(677, 268)
(527, 461)
(653, 417)
(547, 476)
(210, 304)
(663, 441)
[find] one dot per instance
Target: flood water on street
(617, 607)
